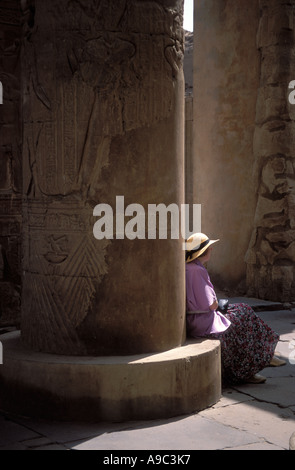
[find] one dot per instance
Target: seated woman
(247, 343)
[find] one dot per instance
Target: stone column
(10, 163)
(189, 157)
(189, 122)
(226, 79)
(271, 255)
(103, 117)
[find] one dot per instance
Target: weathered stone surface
(103, 116)
(115, 389)
(189, 121)
(271, 101)
(188, 62)
(226, 79)
(273, 138)
(270, 258)
(189, 154)
(10, 163)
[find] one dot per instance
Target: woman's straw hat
(196, 245)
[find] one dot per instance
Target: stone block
(278, 67)
(272, 101)
(276, 25)
(273, 138)
(151, 386)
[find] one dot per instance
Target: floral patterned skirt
(247, 346)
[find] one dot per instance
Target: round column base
(114, 388)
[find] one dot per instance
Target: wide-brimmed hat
(196, 245)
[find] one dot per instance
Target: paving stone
(263, 420)
(231, 397)
(276, 390)
(51, 447)
(62, 432)
(12, 432)
(257, 446)
(247, 417)
(38, 442)
(13, 446)
(191, 433)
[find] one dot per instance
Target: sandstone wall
(226, 81)
(10, 163)
(271, 255)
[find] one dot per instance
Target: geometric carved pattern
(98, 75)
(78, 288)
(63, 266)
(59, 303)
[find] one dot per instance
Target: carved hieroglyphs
(271, 255)
(10, 163)
(244, 142)
(103, 116)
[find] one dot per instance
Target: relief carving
(10, 163)
(112, 71)
(92, 77)
(64, 268)
(270, 257)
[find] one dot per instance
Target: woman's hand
(214, 305)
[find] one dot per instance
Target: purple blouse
(200, 295)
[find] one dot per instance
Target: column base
(120, 388)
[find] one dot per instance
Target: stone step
(115, 388)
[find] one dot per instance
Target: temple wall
(271, 255)
(244, 142)
(226, 83)
(92, 125)
(10, 163)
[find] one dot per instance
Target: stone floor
(248, 417)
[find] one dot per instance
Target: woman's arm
(200, 290)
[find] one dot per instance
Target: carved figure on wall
(270, 257)
(96, 73)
